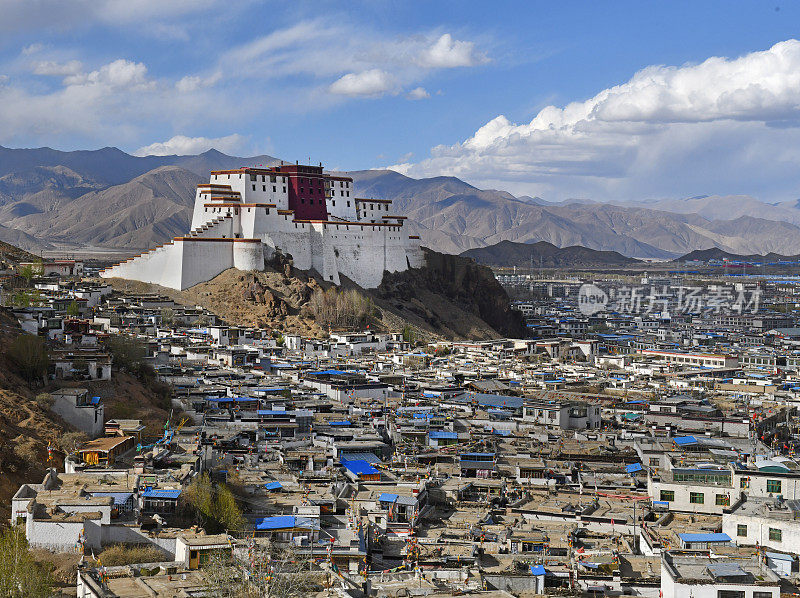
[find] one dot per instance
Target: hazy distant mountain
(544, 255)
(454, 216)
(103, 197)
(145, 211)
(112, 166)
(109, 198)
(715, 253)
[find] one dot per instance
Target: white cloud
(192, 83)
(371, 83)
(181, 145)
(419, 93)
(57, 69)
(447, 52)
(119, 74)
(32, 49)
(665, 129)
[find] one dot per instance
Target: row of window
(697, 498)
(264, 188)
(775, 534)
(272, 178)
(773, 486)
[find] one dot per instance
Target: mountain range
(542, 254)
(52, 199)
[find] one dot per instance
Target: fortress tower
(242, 217)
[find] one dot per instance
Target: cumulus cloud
(181, 145)
(665, 128)
(119, 74)
(447, 52)
(418, 93)
(371, 83)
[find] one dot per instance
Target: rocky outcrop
(460, 282)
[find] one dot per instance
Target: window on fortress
(254, 187)
(267, 211)
(273, 188)
(272, 178)
(348, 204)
(264, 188)
(248, 210)
(284, 189)
(263, 179)
(334, 203)
(348, 194)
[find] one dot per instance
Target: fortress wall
(203, 259)
(248, 254)
(363, 255)
(413, 250)
(162, 265)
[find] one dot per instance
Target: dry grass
(129, 554)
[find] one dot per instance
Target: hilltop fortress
(242, 217)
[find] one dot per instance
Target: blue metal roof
(359, 467)
(276, 522)
(161, 493)
(386, 497)
(368, 457)
(704, 537)
(633, 467)
(684, 440)
(537, 570)
(442, 435)
(342, 422)
(273, 486)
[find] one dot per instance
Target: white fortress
(242, 217)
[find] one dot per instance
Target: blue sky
(609, 101)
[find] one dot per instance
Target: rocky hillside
(452, 297)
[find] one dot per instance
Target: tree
(127, 352)
(20, 575)
(272, 572)
(29, 354)
(215, 506)
(167, 316)
(28, 271)
(409, 335)
(73, 309)
(227, 511)
(72, 441)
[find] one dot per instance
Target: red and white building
(242, 217)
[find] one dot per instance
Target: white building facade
(243, 217)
